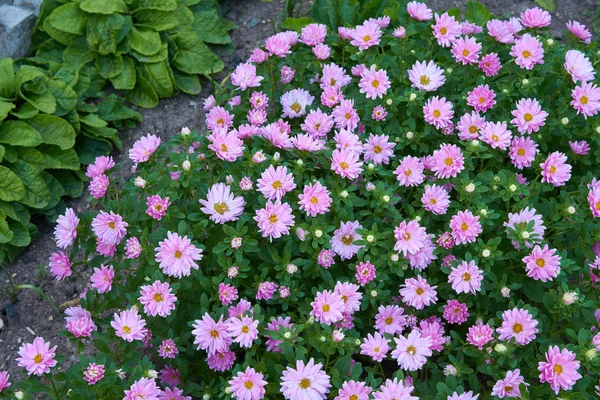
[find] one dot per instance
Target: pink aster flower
(294, 103)
(221, 204)
(109, 227)
(60, 265)
(410, 237)
(278, 137)
(334, 76)
(479, 335)
(317, 124)
(410, 171)
(259, 100)
(308, 143)
(343, 239)
(315, 199)
(470, 28)
(579, 66)
(99, 186)
(464, 396)
(144, 148)
(100, 166)
(274, 183)
(226, 145)
(419, 11)
(509, 386)
(209, 103)
(168, 349)
(399, 32)
(307, 381)
(346, 140)
(353, 390)
(144, 388)
(248, 385)
(375, 346)
(169, 376)
(481, 98)
(327, 307)
(535, 18)
(227, 293)
(396, 389)
(555, 169)
(102, 278)
(345, 116)
(411, 352)
(274, 220)
(580, 31)
(132, 248)
(346, 163)
(465, 227)
(365, 35)
(466, 50)
(93, 373)
(157, 206)
(218, 119)
(518, 324)
(129, 325)
(390, 319)
(586, 99)
(579, 147)
(500, 31)
(173, 394)
(529, 116)
(426, 76)
(287, 74)
(490, 64)
(527, 51)
(4, 383)
(177, 255)
(379, 113)
(448, 161)
(418, 293)
(435, 199)
(157, 299)
(326, 258)
(496, 135)
(243, 330)
(438, 112)
(210, 335)
(378, 149)
(456, 312)
(446, 29)
(466, 277)
(559, 369)
(313, 34)
(281, 43)
(542, 263)
(221, 361)
(65, 231)
(37, 357)
(523, 217)
(424, 256)
(245, 76)
(374, 83)
(365, 273)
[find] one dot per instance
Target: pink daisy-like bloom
(365, 273)
(133, 249)
(418, 293)
(274, 220)
(396, 389)
(129, 325)
(559, 369)
(542, 263)
(315, 199)
(37, 357)
(102, 278)
(365, 35)
(496, 135)
(579, 147)
(342, 242)
(419, 11)
(168, 349)
(327, 307)
(426, 76)
(106, 249)
(374, 83)
(527, 51)
(379, 113)
(580, 31)
(523, 217)
(243, 330)
(221, 361)
(278, 137)
(209, 103)
(294, 103)
(317, 124)
(169, 376)
(410, 237)
(424, 256)
(378, 149)
(274, 183)
(60, 265)
(157, 206)
(529, 116)
(144, 148)
(226, 145)
(399, 32)
(346, 140)
(346, 163)
(509, 386)
(579, 66)
(518, 324)
(287, 74)
(438, 112)
(157, 299)
(479, 335)
(390, 319)
(313, 34)
(325, 258)
(586, 99)
(218, 119)
(481, 98)
(65, 231)
(280, 44)
(465, 227)
(308, 143)
(466, 50)
(144, 388)
(375, 346)
(593, 199)
(470, 28)
(345, 116)
(4, 383)
(173, 394)
(522, 152)
(411, 352)
(210, 335)
(466, 277)
(259, 100)
(446, 29)
(500, 31)
(410, 171)
(353, 390)
(245, 76)
(435, 199)
(464, 396)
(535, 18)
(100, 166)
(227, 293)
(177, 255)
(109, 227)
(307, 381)
(456, 312)
(490, 64)
(555, 169)
(334, 76)
(93, 373)
(221, 204)
(81, 327)
(248, 385)
(434, 330)
(448, 161)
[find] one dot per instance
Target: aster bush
(402, 208)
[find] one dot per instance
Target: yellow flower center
(38, 358)
(221, 207)
(249, 385)
(411, 350)
(466, 52)
(220, 121)
(127, 329)
(348, 116)
(472, 129)
(552, 169)
(517, 328)
(521, 152)
(424, 80)
(433, 201)
(296, 107)
(347, 240)
(375, 84)
(408, 172)
(223, 147)
(344, 165)
(214, 333)
(526, 54)
(464, 226)
(389, 320)
(177, 254)
(326, 308)
(277, 184)
(273, 218)
(158, 297)
(111, 225)
(558, 369)
(376, 349)
(420, 291)
(540, 262)
(377, 149)
(245, 329)
(314, 200)
(466, 277)
(436, 113)
(482, 99)
(367, 38)
(528, 117)
(448, 161)
(495, 138)
(304, 383)
(443, 31)
(353, 397)
(583, 100)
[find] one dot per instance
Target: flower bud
(570, 298)
(450, 370)
(470, 188)
(486, 253)
(500, 348)
(412, 97)
(512, 188)
(449, 70)
(418, 218)
(373, 293)
(549, 42)
(276, 156)
(19, 395)
(371, 166)
(525, 235)
(590, 354)
(229, 179)
(483, 212)
(571, 210)
(394, 257)
(344, 194)
(318, 233)
(151, 373)
(291, 269)
(140, 182)
(228, 389)
(564, 120)
(389, 102)
(410, 135)
(598, 129)
(311, 320)
(525, 82)
(323, 339)
(232, 272)
(505, 91)
(299, 162)
(287, 335)
(338, 335)
(475, 143)
(385, 198)
(187, 165)
(370, 187)
(357, 342)
(370, 238)
(505, 292)
(185, 131)
(206, 396)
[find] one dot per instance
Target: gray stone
(33, 5)
(15, 26)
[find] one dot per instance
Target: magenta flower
(313, 34)
(426, 76)
(274, 183)
(346, 140)
(157, 206)
(527, 51)
(327, 307)
(307, 381)
(446, 29)
(342, 242)
(466, 277)
(144, 148)
(133, 249)
(226, 145)
(144, 388)
(100, 166)
(535, 18)
(559, 369)
(168, 349)
(378, 149)
(410, 171)
(374, 83)
(479, 335)
(248, 385)
(129, 325)
(334, 76)
(509, 386)
(518, 324)
(221, 205)
(466, 50)
(65, 231)
(465, 227)
(60, 265)
(93, 373)
(580, 31)
(102, 278)
(37, 357)
(438, 112)
(365, 35)
(435, 199)
(411, 352)
(169, 376)
(490, 64)
(157, 299)
(390, 319)
(4, 383)
(418, 293)
(542, 263)
(419, 11)
(350, 295)
(456, 312)
(586, 99)
(315, 199)
(245, 77)
(210, 335)
(496, 135)
(274, 220)
(522, 151)
(177, 255)
(481, 98)
(579, 147)
(379, 113)
(326, 258)
(410, 237)
(365, 273)
(555, 169)
(109, 227)
(317, 124)
(448, 161)
(375, 346)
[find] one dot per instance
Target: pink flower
(226, 145)
(109, 227)
(60, 265)
(274, 220)
(396, 389)
(593, 198)
(455, 312)
(259, 100)
(321, 51)
(529, 116)
(535, 18)
(100, 166)
(278, 138)
(65, 231)
(390, 319)
(378, 149)
(209, 103)
(496, 135)
(559, 369)
(374, 83)
(438, 112)
(4, 383)
(157, 299)
(580, 147)
(210, 335)
(315, 199)
(365, 36)
(173, 394)
(411, 352)
(37, 357)
(132, 248)
(470, 28)
(129, 325)
(248, 385)
(448, 161)
(479, 335)
(375, 347)
(542, 263)
(426, 76)
(168, 349)
(313, 34)
(243, 330)
(481, 98)
(327, 307)
(527, 51)
(93, 373)
(277, 325)
(410, 237)
(446, 29)
(102, 278)
(466, 50)
(144, 388)
(518, 324)
(555, 169)
(99, 186)
(279, 45)
(305, 142)
(227, 293)
(177, 255)
(365, 273)
(343, 239)
(352, 390)
(490, 64)
(379, 113)
(418, 293)
(307, 381)
(579, 66)
(465, 227)
(410, 171)
(157, 207)
(218, 119)
(466, 277)
(586, 99)
(346, 163)
(334, 76)
(509, 386)
(345, 116)
(346, 140)
(399, 32)
(245, 76)
(325, 258)
(221, 204)
(580, 31)
(274, 183)
(419, 11)
(144, 148)
(221, 361)
(294, 103)
(465, 396)
(317, 124)
(435, 199)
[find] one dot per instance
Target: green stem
(54, 389)
(37, 290)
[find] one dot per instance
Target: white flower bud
(311, 320)
(338, 335)
(370, 238)
(228, 389)
(389, 102)
(449, 70)
(291, 269)
(500, 348)
(571, 210)
(370, 187)
(410, 135)
(394, 257)
(371, 166)
(590, 354)
(549, 42)
(357, 342)
(153, 374)
(299, 162)
(475, 143)
(185, 131)
(412, 97)
(505, 292)
(483, 212)
(570, 298)
(418, 218)
(287, 335)
(385, 198)
(373, 293)
(140, 182)
(276, 156)
(318, 233)
(344, 194)
(323, 339)
(564, 120)
(206, 396)
(525, 82)
(486, 253)
(470, 188)
(525, 235)
(598, 129)
(505, 91)
(19, 395)
(187, 165)
(512, 188)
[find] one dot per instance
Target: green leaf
(66, 98)
(104, 6)
(88, 149)
(143, 95)
(26, 111)
(37, 194)
(58, 35)
(159, 77)
(161, 5)
(93, 120)
(324, 11)
(103, 32)
(6, 235)
(78, 53)
(126, 79)
(2, 151)
(296, 24)
(110, 65)
(56, 189)
(477, 13)
(5, 108)
(111, 109)
(72, 184)
(54, 130)
(11, 187)
(454, 12)
(18, 133)
(194, 57)
(157, 20)
(145, 41)
(208, 26)
(68, 18)
(56, 158)
(21, 237)
(27, 73)
(158, 57)
(549, 5)
(44, 101)
(8, 85)
(32, 156)
(348, 12)
(189, 84)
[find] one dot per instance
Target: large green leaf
(26, 111)
(32, 156)
(104, 6)
(296, 24)
(11, 187)
(157, 20)
(68, 18)
(60, 36)
(18, 133)
(21, 237)
(89, 148)
(37, 194)
(43, 101)
(56, 158)
(28, 73)
(159, 77)
(189, 84)
(126, 79)
(112, 109)
(145, 41)
(110, 65)
(56, 189)
(348, 12)
(324, 11)
(549, 5)
(66, 98)
(161, 5)
(5, 108)
(6, 235)
(8, 84)
(208, 26)
(103, 32)
(477, 13)
(73, 186)
(194, 57)
(158, 57)
(143, 95)
(93, 120)
(54, 130)
(78, 53)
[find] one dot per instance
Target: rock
(32, 5)
(1, 324)
(15, 26)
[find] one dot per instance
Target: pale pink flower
(410, 171)
(464, 396)
(226, 145)
(99, 186)
(365, 272)
(343, 239)
(133, 249)
(455, 312)
(435, 199)
(580, 31)
(374, 83)
(129, 325)
(346, 163)
(579, 66)
(522, 152)
(345, 116)
(287, 74)
(535, 18)
(177, 255)
(390, 319)
(500, 31)
(466, 50)
(102, 278)
(327, 307)
(465, 227)
(496, 135)
(542, 263)
(470, 28)
(466, 277)
(378, 149)
(157, 206)
(274, 183)
(396, 389)
(419, 11)
(144, 148)
(100, 166)
(411, 352)
(446, 29)
(315, 199)
(527, 51)
(93, 373)
(37, 357)
(317, 124)
(209, 103)
(321, 51)
(481, 98)
(313, 34)
(426, 76)
(144, 388)
(448, 161)
(346, 140)
(168, 349)
(307, 381)
(518, 324)
(580, 147)
(245, 76)
(586, 99)
(274, 220)
(365, 35)
(294, 103)
(306, 142)
(479, 335)
(438, 112)
(65, 231)
(353, 390)
(334, 76)
(243, 330)
(410, 237)
(529, 116)
(248, 385)
(157, 299)
(509, 386)
(109, 227)
(278, 138)
(280, 44)
(375, 346)
(418, 293)
(469, 126)
(555, 169)
(379, 113)
(210, 335)
(490, 64)
(559, 369)
(399, 32)
(60, 265)
(221, 204)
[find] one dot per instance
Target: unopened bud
(486, 253)
(470, 188)
(370, 238)
(344, 194)
(140, 182)
(571, 210)
(564, 120)
(187, 165)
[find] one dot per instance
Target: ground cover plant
(403, 208)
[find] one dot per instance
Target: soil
(28, 315)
